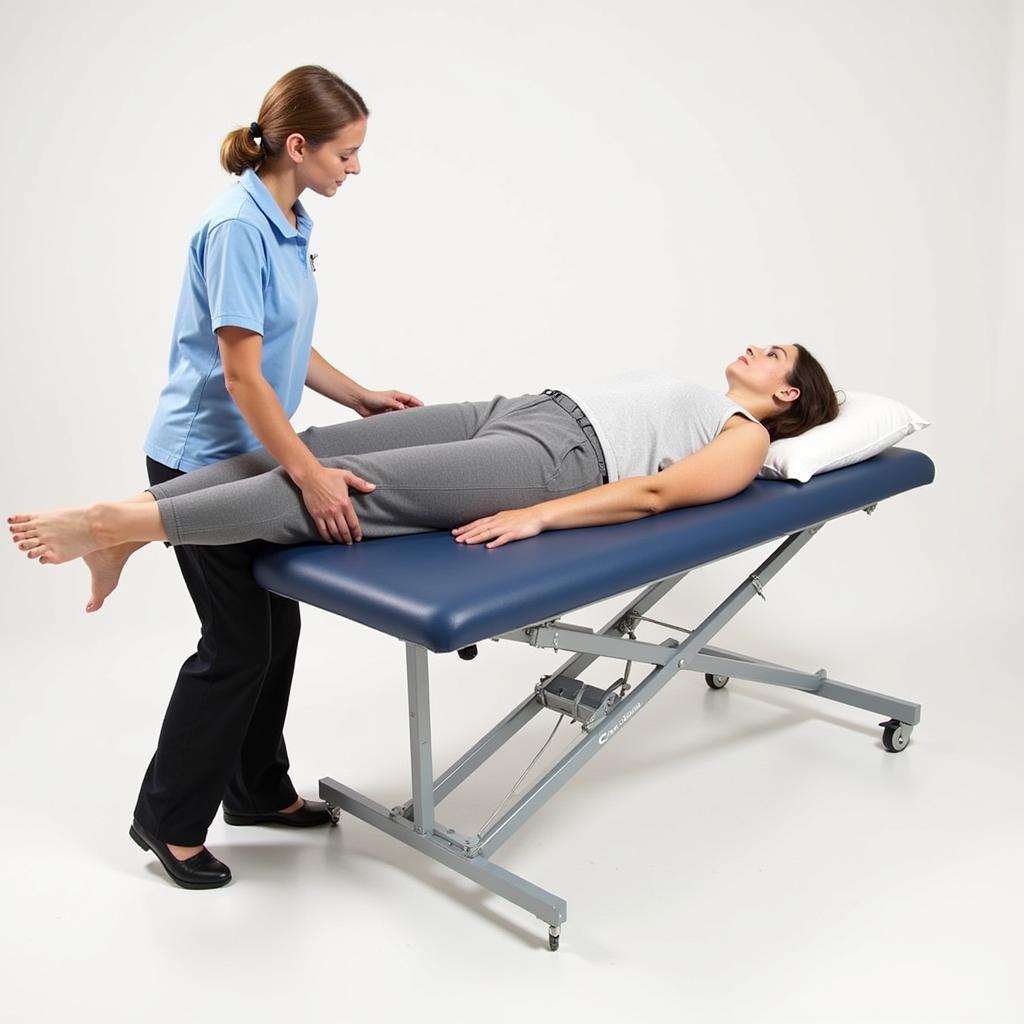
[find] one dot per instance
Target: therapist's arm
(240, 353)
(325, 491)
(329, 381)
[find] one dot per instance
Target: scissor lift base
(414, 823)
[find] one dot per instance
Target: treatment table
(439, 596)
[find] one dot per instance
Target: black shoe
(312, 812)
(201, 871)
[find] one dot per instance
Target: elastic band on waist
(563, 401)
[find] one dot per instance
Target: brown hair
(309, 100)
(817, 402)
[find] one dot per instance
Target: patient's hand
(514, 524)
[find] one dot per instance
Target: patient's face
(763, 369)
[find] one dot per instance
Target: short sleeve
(234, 267)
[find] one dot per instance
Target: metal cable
(658, 622)
(515, 787)
(618, 683)
(623, 682)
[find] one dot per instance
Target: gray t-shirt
(645, 421)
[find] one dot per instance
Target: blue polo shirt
(247, 266)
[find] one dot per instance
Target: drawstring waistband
(563, 401)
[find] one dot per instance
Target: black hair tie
(257, 131)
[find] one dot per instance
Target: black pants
(221, 737)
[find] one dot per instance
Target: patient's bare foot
(106, 565)
(57, 536)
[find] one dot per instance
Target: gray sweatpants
(435, 467)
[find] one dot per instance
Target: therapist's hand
(326, 498)
(371, 402)
(515, 524)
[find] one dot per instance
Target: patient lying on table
(490, 471)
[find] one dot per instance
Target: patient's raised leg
(61, 535)
(417, 487)
(105, 567)
(401, 428)
(31, 532)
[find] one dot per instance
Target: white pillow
(866, 425)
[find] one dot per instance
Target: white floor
(751, 854)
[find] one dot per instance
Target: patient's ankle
(104, 522)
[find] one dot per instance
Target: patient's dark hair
(817, 402)
(309, 100)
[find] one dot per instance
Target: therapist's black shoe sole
(202, 871)
(310, 814)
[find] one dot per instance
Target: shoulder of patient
(738, 420)
(753, 429)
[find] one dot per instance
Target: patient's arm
(717, 471)
(634, 497)
(618, 502)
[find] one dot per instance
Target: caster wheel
(553, 936)
(715, 682)
(335, 813)
(895, 735)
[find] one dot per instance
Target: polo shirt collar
(251, 182)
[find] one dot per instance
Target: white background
(549, 191)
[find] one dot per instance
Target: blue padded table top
(426, 588)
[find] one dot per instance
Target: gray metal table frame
(415, 824)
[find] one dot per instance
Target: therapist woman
(241, 354)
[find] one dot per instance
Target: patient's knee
(313, 439)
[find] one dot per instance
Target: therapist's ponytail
(817, 402)
(309, 100)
